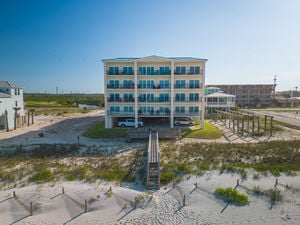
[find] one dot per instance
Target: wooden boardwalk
(153, 163)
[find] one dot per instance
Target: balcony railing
(187, 99)
(120, 99)
(188, 72)
(120, 113)
(187, 113)
(120, 86)
(187, 86)
(119, 73)
(155, 86)
(155, 113)
(155, 99)
(156, 72)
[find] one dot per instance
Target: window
(164, 70)
(127, 70)
(149, 84)
(194, 84)
(113, 71)
(193, 109)
(163, 97)
(147, 109)
(194, 97)
(194, 70)
(128, 84)
(164, 84)
(128, 97)
(179, 109)
(149, 97)
(180, 84)
(114, 83)
(180, 70)
(114, 97)
(128, 109)
(180, 97)
(114, 108)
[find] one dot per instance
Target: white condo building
(154, 87)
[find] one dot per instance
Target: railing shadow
(73, 218)
(22, 218)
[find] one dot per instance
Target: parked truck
(129, 123)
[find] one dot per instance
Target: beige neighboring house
(12, 114)
(154, 87)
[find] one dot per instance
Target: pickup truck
(129, 123)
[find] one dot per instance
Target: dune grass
(99, 131)
(209, 132)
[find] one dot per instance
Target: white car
(183, 121)
(129, 123)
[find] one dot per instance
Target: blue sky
(60, 43)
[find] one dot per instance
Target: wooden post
(233, 122)
(14, 194)
(85, 206)
(6, 121)
(253, 124)
(173, 184)
(78, 139)
(276, 182)
(237, 182)
(266, 118)
(110, 189)
(31, 209)
(28, 118)
(258, 125)
(62, 190)
(271, 126)
(243, 125)
(183, 201)
(135, 202)
(196, 185)
(32, 122)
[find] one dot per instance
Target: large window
(179, 97)
(114, 71)
(164, 84)
(146, 109)
(164, 70)
(128, 97)
(179, 109)
(180, 70)
(146, 97)
(114, 83)
(146, 84)
(180, 84)
(114, 109)
(114, 97)
(128, 84)
(194, 70)
(164, 97)
(193, 109)
(194, 97)
(127, 70)
(194, 84)
(128, 109)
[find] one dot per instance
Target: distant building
(12, 113)
(154, 87)
(217, 99)
(249, 95)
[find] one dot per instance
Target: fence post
(237, 182)
(135, 202)
(63, 190)
(14, 194)
(196, 185)
(85, 206)
(183, 201)
(31, 209)
(276, 182)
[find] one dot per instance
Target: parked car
(183, 121)
(129, 123)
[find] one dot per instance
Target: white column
(172, 95)
(135, 94)
(203, 97)
(105, 97)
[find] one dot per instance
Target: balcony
(120, 100)
(187, 99)
(187, 86)
(189, 72)
(120, 113)
(155, 86)
(119, 73)
(155, 99)
(154, 113)
(120, 86)
(156, 72)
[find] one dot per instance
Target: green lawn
(209, 132)
(99, 131)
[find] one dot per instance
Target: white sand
(164, 207)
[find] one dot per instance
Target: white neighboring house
(12, 114)
(217, 99)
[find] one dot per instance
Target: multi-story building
(249, 95)
(12, 113)
(154, 87)
(216, 99)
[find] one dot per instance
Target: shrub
(166, 177)
(275, 195)
(42, 176)
(232, 195)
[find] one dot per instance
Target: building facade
(12, 114)
(216, 99)
(249, 95)
(154, 87)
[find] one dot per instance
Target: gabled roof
(154, 58)
(7, 84)
(219, 94)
